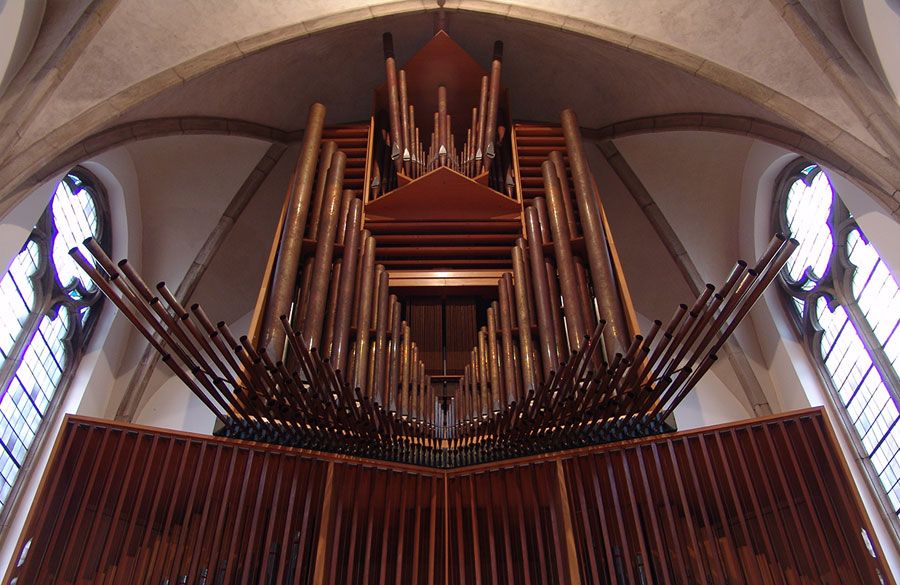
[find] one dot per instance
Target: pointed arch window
(48, 308)
(846, 305)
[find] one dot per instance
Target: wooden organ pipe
(287, 264)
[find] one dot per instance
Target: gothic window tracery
(48, 308)
(846, 305)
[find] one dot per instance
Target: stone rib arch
(20, 171)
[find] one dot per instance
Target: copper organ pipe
(359, 268)
(405, 123)
(493, 106)
(303, 293)
(540, 205)
(546, 333)
(328, 149)
(346, 288)
(287, 263)
(392, 404)
(390, 66)
(508, 349)
(442, 129)
(615, 335)
(559, 163)
(341, 230)
(526, 351)
(331, 310)
(312, 326)
(482, 120)
(404, 369)
(565, 263)
(363, 325)
(589, 315)
(493, 358)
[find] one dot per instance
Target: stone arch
(881, 177)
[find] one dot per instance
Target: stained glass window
(846, 303)
(47, 310)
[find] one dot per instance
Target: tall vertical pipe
(328, 149)
(394, 357)
(559, 163)
(490, 125)
(390, 66)
(405, 123)
(287, 264)
(364, 323)
(546, 334)
(529, 369)
(482, 120)
(315, 311)
(340, 344)
(381, 329)
(615, 334)
(565, 263)
(559, 330)
(506, 323)
(493, 357)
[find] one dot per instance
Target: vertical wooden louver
(768, 501)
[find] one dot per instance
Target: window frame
(49, 296)
(836, 285)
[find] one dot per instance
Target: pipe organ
(442, 308)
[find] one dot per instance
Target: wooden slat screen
(765, 501)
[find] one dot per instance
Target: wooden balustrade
(763, 501)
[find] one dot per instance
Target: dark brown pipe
(287, 263)
(526, 352)
(381, 343)
(546, 333)
(482, 120)
(343, 216)
(601, 268)
(328, 149)
(559, 332)
(340, 345)
(364, 323)
(315, 311)
(334, 289)
(395, 356)
(493, 106)
(508, 349)
(405, 122)
(565, 263)
(559, 164)
(390, 66)
(493, 357)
